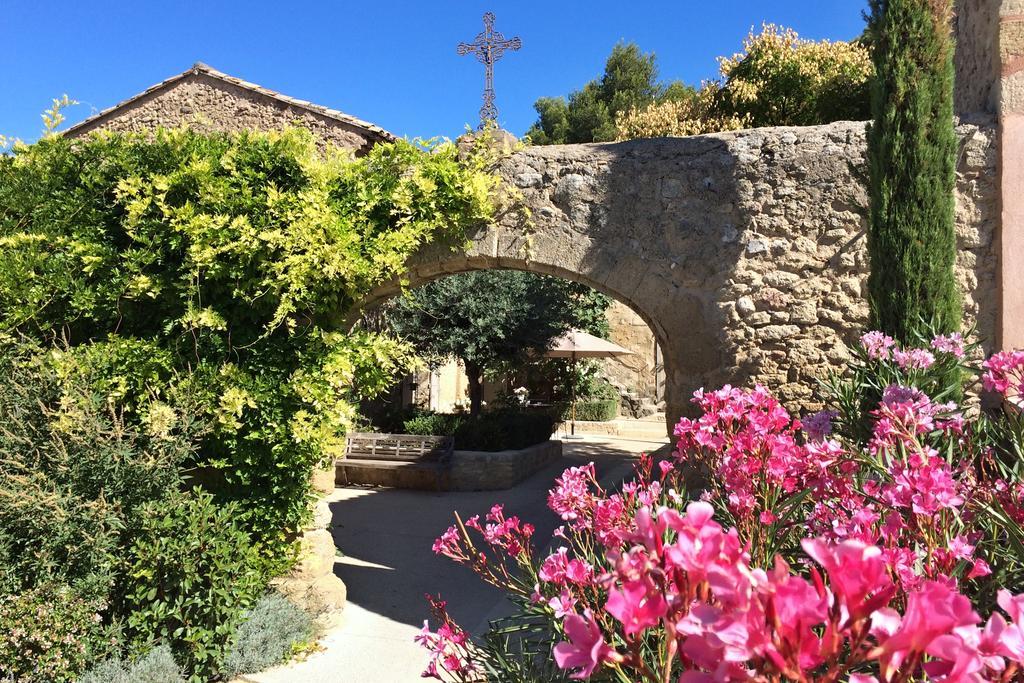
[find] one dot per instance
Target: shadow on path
(384, 537)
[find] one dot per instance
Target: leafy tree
(489, 318)
(781, 79)
(778, 80)
(630, 81)
(912, 162)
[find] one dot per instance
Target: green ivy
(204, 273)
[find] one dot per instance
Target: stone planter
(492, 471)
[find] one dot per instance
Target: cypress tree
(912, 148)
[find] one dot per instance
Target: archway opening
(482, 329)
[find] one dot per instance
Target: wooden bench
(387, 453)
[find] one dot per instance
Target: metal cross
(488, 48)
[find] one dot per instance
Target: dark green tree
(630, 81)
(912, 149)
(488, 319)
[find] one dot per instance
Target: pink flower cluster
(449, 647)
(722, 620)
(1004, 374)
(910, 502)
(748, 439)
(881, 347)
(896, 526)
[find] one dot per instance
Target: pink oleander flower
(857, 573)
(559, 569)
(449, 544)
(448, 647)
(638, 604)
(933, 611)
(914, 359)
(952, 344)
(585, 649)
(563, 604)
(507, 534)
(1004, 373)
(572, 498)
(877, 345)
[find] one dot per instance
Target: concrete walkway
(384, 538)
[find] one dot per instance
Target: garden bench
(391, 455)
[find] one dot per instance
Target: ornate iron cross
(488, 48)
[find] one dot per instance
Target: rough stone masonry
(744, 251)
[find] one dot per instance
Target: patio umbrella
(576, 344)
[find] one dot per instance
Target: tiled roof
(202, 69)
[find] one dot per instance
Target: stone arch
(744, 251)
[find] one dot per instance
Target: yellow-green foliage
(676, 118)
(206, 271)
(779, 79)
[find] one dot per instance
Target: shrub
(898, 557)
(781, 79)
(436, 424)
(73, 475)
(217, 264)
(589, 410)
(50, 634)
(155, 666)
(499, 431)
(778, 80)
(270, 632)
(188, 575)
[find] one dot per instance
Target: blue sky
(387, 61)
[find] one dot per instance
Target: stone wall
(638, 371)
(743, 251)
(468, 471)
(976, 26)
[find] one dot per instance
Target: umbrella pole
(572, 408)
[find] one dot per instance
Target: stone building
(208, 100)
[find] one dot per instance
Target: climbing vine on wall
(198, 272)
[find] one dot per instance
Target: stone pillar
(1011, 156)
(990, 86)
(312, 583)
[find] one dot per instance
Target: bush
(815, 553)
(779, 79)
(500, 431)
(270, 633)
(156, 666)
(497, 430)
(589, 410)
(188, 575)
(434, 424)
(218, 264)
(49, 634)
(73, 475)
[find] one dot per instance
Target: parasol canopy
(579, 344)
(576, 344)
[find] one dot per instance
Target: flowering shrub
(892, 557)
(49, 635)
(779, 79)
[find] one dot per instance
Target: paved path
(385, 536)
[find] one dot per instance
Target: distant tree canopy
(779, 79)
(630, 81)
(490, 318)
